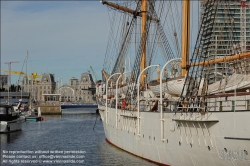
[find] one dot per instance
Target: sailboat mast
(185, 36)
(144, 31)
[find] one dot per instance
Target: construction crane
(33, 76)
(93, 73)
(14, 72)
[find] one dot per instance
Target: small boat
(34, 119)
(10, 120)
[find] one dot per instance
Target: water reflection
(7, 138)
(79, 111)
(52, 116)
(69, 132)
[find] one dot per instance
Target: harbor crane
(14, 72)
(33, 76)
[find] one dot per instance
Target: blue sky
(64, 38)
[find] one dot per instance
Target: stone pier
(51, 105)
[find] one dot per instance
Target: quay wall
(49, 108)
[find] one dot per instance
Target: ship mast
(143, 14)
(144, 31)
(185, 36)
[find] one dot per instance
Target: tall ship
(176, 84)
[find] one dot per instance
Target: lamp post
(138, 96)
(162, 120)
(107, 95)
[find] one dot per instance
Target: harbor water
(68, 139)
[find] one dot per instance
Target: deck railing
(221, 105)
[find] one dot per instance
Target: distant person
(124, 104)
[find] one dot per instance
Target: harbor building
(67, 93)
(4, 81)
(79, 90)
(227, 34)
(87, 88)
(47, 85)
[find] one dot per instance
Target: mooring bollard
(39, 112)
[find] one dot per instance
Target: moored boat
(10, 120)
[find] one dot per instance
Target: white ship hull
(217, 138)
(11, 126)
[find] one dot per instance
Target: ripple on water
(70, 132)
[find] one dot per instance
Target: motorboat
(10, 119)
